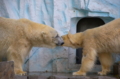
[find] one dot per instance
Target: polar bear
(100, 41)
(17, 37)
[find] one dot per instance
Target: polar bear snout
(60, 41)
(60, 44)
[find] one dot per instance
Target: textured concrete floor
(63, 76)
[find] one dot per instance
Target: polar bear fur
(17, 37)
(100, 41)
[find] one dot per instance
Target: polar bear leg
(17, 53)
(14, 56)
(106, 60)
(88, 59)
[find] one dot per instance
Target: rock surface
(7, 70)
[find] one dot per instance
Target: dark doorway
(82, 25)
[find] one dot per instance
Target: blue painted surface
(57, 14)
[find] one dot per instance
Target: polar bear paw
(102, 73)
(19, 72)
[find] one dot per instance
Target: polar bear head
(44, 36)
(51, 38)
(41, 35)
(73, 40)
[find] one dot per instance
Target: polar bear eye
(55, 36)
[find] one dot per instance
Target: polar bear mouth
(59, 41)
(60, 44)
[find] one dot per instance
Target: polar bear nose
(62, 43)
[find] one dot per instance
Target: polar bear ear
(72, 39)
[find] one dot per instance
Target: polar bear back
(106, 37)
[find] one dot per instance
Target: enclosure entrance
(82, 25)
